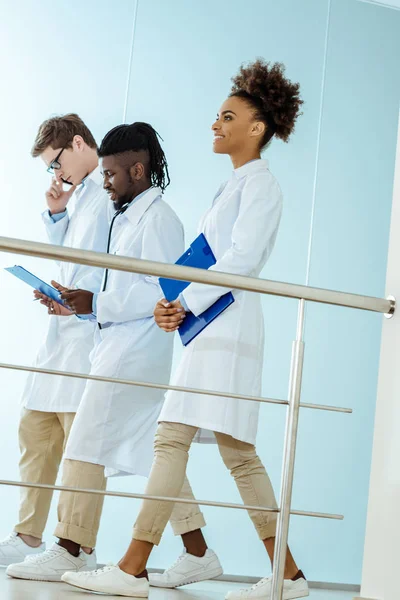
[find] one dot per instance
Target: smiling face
(236, 128)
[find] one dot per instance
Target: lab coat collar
(260, 164)
(137, 209)
(95, 176)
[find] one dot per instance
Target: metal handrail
(62, 488)
(238, 282)
(164, 386)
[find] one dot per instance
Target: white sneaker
(263, 590)
(188, 569)
(13, 549)
(50, 565)
(109, 580)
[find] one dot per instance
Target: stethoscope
(119, 212)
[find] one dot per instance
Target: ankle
(72, 547)
(291, 573)
(199, 553)
(299, 575)
(143, 575)
(195, 543)
(87, 550)
(30, 540)
(137, 569)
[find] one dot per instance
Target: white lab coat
(68, 340)
(241, 228)
(115, 424)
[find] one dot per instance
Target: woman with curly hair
(241, 228)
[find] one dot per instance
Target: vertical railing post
(289, 457)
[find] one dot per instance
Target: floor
(17, 589)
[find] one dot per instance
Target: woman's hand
(169, 316)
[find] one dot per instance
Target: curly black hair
(134, 138)
(275, 99)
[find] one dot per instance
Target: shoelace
(262, 581)
(43, 556)
(175, 563)
(108, 567)
(257, 585)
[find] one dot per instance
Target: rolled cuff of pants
(146, 536)
(84, 537)
(269, 529)
(79, 513)
(192, 523)
(28, 531)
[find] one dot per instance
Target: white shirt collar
(137, 209)
(94, 176)
(260, 164)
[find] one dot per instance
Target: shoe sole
(207, 576)
(295, 595)
(31, 577)
(81, 587)
(292, 596)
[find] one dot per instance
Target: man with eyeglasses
(69, 152)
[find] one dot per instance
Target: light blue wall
(343, 150)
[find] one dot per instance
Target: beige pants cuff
(78, 512)
(179, 528)
(192, 523)
(268, 530)
(146, 536)
(84, 537)
(27, 531)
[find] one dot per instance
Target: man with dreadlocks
(114, 428)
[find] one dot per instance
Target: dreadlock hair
(276, 100)
(135, 138)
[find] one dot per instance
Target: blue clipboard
(200, 256)
(35, 282)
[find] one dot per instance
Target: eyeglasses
(55, 164)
